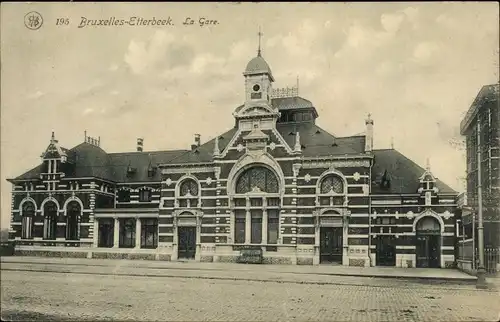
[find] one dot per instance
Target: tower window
(256, 87)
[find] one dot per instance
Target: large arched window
(258, 179)
(188, 193)
(49, 220)
(332, 183)
(188, 186)
(256, 218)
(28, 214)
(73, 213)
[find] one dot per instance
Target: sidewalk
(331, 270)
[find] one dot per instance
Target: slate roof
(404, 174)
(258, 65)
(317, 142)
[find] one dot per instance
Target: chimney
(369, 134)
(197, 139)
(140, 142)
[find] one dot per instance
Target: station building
(275, 182)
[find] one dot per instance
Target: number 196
(62, 21)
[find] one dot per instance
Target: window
(188, 186)
(50, 221)
(272, 226)
(124, 195)
(73, 212)
(239, 227)
(28, 212)
(257, 179)
(106, 231)
(256, 232)
(149, 233)
(127, 233)
(332, 183)
(145, 195)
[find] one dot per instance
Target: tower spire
(260, 34)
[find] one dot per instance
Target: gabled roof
(403, 173)
(317, 142)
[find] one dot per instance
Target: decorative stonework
(240, 147)
(209, 181)
(168, 182)
(272, 146)
(356, 176)
(313, 164)
(296, 169)
(307, 177)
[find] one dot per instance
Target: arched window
(49, 220)
(188, 186)
(73, 212)
(256, 219)
(257, 179)
(332, 183)
(188, 193)
(28, 212)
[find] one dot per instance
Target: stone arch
(432, 214)
(333, 172)
(184, 178)
(27, 199)
(68, 201)
(330, 212)
(42, 206)
(248, 161)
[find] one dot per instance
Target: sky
(416, 67)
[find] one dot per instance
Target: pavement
(65, 290)
(443, 275)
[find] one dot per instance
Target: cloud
(162, 51)
(424, 52)
(391, 22)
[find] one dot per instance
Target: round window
(256, 87)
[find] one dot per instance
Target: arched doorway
(49, 220)
(28, 212)
(73, 212)
(428, 248)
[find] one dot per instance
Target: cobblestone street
(75, 296)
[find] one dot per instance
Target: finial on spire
(297, 85)
(428, 165)
(392, 142)
(53, 137)
(260, 34)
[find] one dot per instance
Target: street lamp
(481, 279)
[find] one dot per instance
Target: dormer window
(145, 195)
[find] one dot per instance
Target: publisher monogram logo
(33, 20)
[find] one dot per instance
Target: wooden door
(331, 244)
(187, 242)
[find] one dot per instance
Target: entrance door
(386, 251)
(428, 250)
(187, 242)
(331, 244)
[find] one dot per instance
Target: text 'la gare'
(202, 21)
